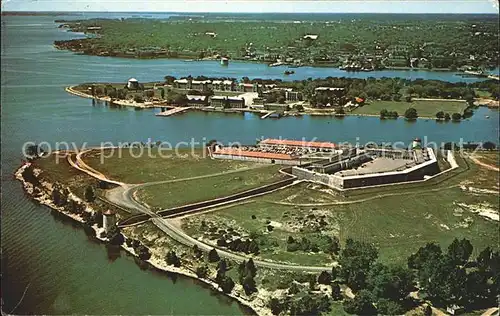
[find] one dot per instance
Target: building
(133, 84)
(310, 37)
(197, 100)
(190, 84)
(227, 102)
(257, 156)
(317, 146)
(371, 167)
(201, 85)
(182, 84)
(293, 96)
(108, 220)
(248, 87)
(223, 85)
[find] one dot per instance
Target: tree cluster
(453, 278)
(388, 114)
(248, 246)
(315, 243)
(247, 272)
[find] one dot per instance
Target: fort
(340, 166)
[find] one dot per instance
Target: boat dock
(267, 114)
(173, 111)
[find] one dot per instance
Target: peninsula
(362, 43)
(257, 222)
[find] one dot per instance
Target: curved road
(123, 196)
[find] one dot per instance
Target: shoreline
(188, 58)
(256, 305)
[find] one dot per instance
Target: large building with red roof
(322, 146)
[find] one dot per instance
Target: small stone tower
(108, 219)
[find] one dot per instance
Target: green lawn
(398, 221)
(160, 165)
(424, 108)
(190, 191)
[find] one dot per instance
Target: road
(123, 196)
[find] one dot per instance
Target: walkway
(173, 111)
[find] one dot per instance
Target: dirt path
(491, 311)
(375, 197)
(482, 164)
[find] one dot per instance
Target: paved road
(123, 196)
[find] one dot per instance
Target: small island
(387, 98)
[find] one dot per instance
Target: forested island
(361, 44)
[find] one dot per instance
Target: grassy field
(424, 108)
(190, 191)
(160, 165)
(398, 221)
(58, 170)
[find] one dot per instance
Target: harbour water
(49, 266)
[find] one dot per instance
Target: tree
(169, 79)
(390, 282)
(142, 252)
(293, 289)
(361, 304)
(197, 253)
(411, 114)
(324, 278)
(430, 252)
(162, 93)
(281, 99)
(489, 145)
(383, 113)
(440, 115)
(312, 282)
(89, 194)
(334, 273)
(299, 107)
(459, 251)
(388, 307)
(408, 98)
(172, 259)
(249, 285)
(336, 294)
(138, 99)
(202, 271)
(277, 305)
(226, 284)
(456, 117)
(447, 117)
(356, 260)
(213, 256)
(250, 267)
(397, 97)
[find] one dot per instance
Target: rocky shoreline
(258, 304)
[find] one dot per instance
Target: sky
(260, 6)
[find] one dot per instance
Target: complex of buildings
(340, 167)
